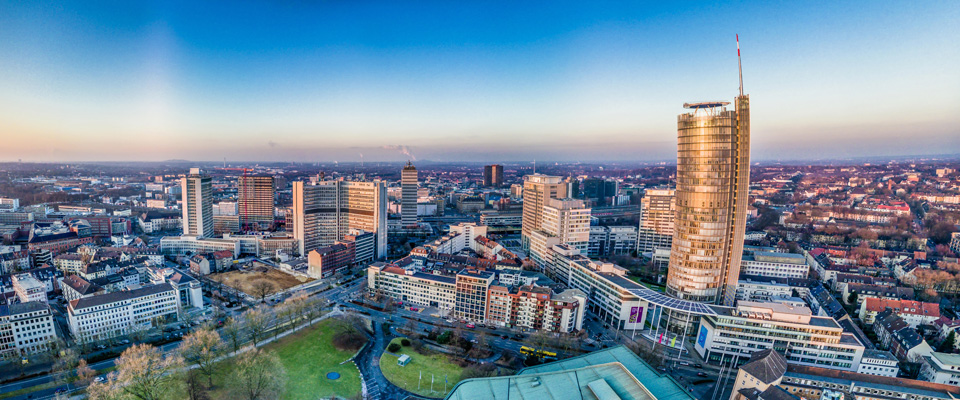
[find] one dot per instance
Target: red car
(471, 326)
(414, 309)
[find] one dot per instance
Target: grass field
(244, 280)
(307, 356)
(407, 376)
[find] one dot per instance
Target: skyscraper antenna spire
(739, 64)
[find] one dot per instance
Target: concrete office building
(736, 332)
(25, 328)
(115, 314)
(713, 175)
(537, 189)
(197, 192)
(408, 195)
(774, 264)
(657, 212)
(606, 241)
(493, 175)
(563, 221)
(11, 204)
(255, 201)
(325, 212)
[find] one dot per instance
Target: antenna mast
(739, 64)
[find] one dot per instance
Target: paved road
(378, 387)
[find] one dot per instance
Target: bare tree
(233, 330)
(64, 364)
(259, 375)
(194, 386)
(311, 309)
(256, 321)
(262, 288)
(202, 348)
(85, 374)
(143, 373)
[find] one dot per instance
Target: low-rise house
(915, 313)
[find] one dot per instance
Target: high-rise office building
(408, 195)
(493, 175)
(657, 211)
(537, 189)
(563, 221)
(255, 201)
(325, 212)
(197, 190)
(599, 189)
(713, 175)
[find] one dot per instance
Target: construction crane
(244, 222)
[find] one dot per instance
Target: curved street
(368, 361)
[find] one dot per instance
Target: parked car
(99, 379)
(702, 374)
(471, 326)
(684, 363)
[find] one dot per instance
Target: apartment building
(535, 307)
(115, 314)
(914, 313)
(804, 339)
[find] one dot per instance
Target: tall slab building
(713, 176)
(657, 212)
(493, 175)
(255, 201)
(537, 189)
(408, 195)
(197, 192)
(325, 212)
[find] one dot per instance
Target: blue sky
(310, 81)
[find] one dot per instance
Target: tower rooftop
(705, 104)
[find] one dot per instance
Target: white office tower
(197, 192)
(324, 212)
(563, 221)
(537, 189)
(408, 195)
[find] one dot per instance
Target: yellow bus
(530, 351)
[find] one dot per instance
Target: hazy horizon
(317, 82)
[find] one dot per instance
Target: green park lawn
(407, 376)
(307, 356)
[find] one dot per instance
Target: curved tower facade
(713, 175)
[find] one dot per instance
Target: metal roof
(673, 303)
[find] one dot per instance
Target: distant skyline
(486, 82)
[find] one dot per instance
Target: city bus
(530, 351)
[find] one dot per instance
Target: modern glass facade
(713, 174)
